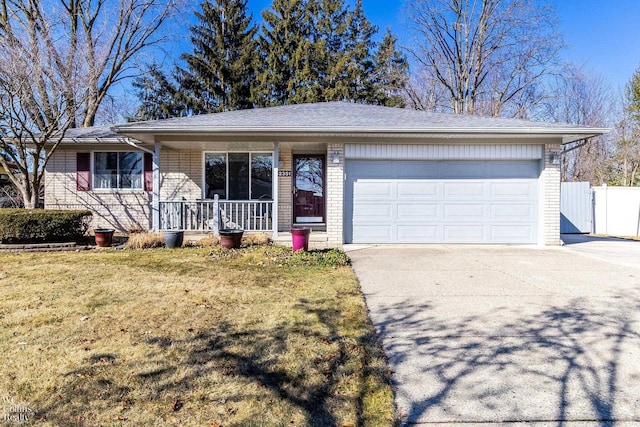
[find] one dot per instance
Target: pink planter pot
(300, 238)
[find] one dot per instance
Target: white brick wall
(550, 185)
(123, 210)
(181, 176)
(335, 195)
(285, 196)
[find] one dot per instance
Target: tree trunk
(31, 202)
(29, 196)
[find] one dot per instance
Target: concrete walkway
(504, 334)
(611, 249)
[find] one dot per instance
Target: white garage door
(399, 201)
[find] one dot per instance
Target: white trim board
(444, 151)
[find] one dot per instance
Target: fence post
(606, 209)
(216, 215)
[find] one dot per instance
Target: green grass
(195, 337)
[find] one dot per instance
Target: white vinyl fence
(616, 210)
(576, 207)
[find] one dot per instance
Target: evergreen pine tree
(286, 69)
(390, 74)
(220, 71)
(331, 57)
(359, 50)
(157, 95)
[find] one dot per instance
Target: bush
(42, 225)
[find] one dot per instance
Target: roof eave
(567, 134)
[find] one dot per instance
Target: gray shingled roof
(337, 115)
(333, 118)
(91, 133)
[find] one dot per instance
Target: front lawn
(187, 337)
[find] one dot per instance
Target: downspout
(275, 179)
(155, 197)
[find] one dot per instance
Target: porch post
(155, 210)
(216, 215)
(274, 214)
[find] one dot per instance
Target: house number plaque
(284, 173)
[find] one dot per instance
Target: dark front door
(308, 189)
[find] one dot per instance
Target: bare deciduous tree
(34, 72)
(58, 61)
(582, 98)
(108, 34)
(627, 135)
(489, 56)
(626, 153)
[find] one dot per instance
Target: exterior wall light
(335, 157)
(554, 158)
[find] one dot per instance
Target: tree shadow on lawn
(218, 354)
(570, 361)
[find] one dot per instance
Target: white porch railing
(213, 215)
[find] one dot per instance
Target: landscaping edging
(43, 247)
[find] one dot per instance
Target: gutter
(128, 141)
(567, 134)
(323, 130)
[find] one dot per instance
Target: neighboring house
(362, 174)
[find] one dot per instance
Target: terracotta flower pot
(231, 239)
(104, 237)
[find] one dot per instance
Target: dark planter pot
(300, 238)
(104, 237)
(231, 239)
(173, 239)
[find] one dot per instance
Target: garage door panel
(418, 234)
(467, 233)
(441, 201)
(376, 189)
(417, 189)
(417, 212)
(464, 190)
(365, 213)
(512, 233)
(373, 233)
(460, 211)
(512, 190)
(513, 212)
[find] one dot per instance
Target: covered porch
(266, 187)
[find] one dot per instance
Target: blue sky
(603, 35)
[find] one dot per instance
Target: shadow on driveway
(506, 335)
(562, 364)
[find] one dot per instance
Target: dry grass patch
(144, 241)
(187, 337)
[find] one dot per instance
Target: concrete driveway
(506, 334)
